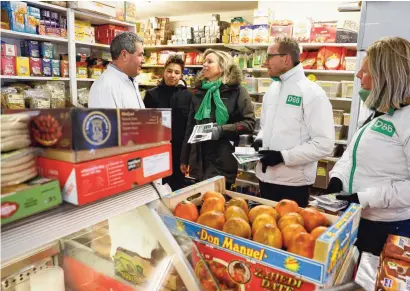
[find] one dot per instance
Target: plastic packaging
(11, 99)
(338, 116)
(346, 119)
(264, 84)
(350, 63)
(339, 132)
(347, 89)
(83, 94)
(38, 98)
(250, 84)
(57, 92)
(15, 132)
(331, 88)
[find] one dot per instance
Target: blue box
(47, 50)
(33, 11)
(17, 21)
(16, 6)
(47, 68)
(31, 24)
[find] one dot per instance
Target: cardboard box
(30, 198)
(393, 275)
(92, 129)
(397, 247)
(330, 249)
(90, 181)
(280, 31)
(93, 7)
(322, 174)
(323, 32)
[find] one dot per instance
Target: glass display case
(119, 243)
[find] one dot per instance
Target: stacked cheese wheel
(18, 163)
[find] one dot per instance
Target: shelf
(340, 99)
(341, 141)
(22, 35)
(96, 19)
(29, 78)
(162, 66)
(97, 45)
(247, 171)
(24, 238)
(185, 46)
(331, 72)
(85, 80)
(247, 182)
(350, 46)
(45, 5)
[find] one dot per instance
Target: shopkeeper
(375, 168)
(297, 128)
(117, 86)
(173, 93)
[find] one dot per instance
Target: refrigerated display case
(120, 243)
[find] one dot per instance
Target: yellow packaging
(23, 66)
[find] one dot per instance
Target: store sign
(294, 100)
(384, 127)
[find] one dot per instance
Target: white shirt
(114, 89)
(297, 120)
(376, 166)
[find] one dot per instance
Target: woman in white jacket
(375, 168)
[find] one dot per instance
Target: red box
(106, 33)
(240, 274)
(280, 31)
(8, 66)
(323, 32)
(9, 50)
(90, 181)
(36, 67)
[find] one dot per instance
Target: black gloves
(216, 132)
(335, 186)
(257, 144)
(270, 158)
(353, 198)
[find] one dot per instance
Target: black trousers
(373, 234)
(275, 192)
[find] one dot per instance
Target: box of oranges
(302, 243)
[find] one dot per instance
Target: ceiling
(146, 9)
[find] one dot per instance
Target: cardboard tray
(330, 249)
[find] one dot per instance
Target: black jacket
(211, 158)
(177, 98)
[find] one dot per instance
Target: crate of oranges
(302, 243)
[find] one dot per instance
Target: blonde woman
(218, 98)
(375, 168)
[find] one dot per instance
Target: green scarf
(212, 92)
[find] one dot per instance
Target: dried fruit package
(310, 60)
(334, 58)
(38, 98)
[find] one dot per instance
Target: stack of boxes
(157, 31)
(105, 33)
(24, 18)
(84, 31)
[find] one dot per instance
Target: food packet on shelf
(321, 58)
(15, 133)
(83, 94)
(310, 60)
(11, 99)
(334, 58)
(38, 98)
(18, 166)
(57, 93)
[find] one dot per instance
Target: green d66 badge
(294, 100)
(384, 127)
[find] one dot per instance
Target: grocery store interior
(90, 196)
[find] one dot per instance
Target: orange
(186, 210)
(313, 218)
(269, 235)
(261, 220)
(318, 231)
(254, 212)
(212, 219)
(290, 218)
(235, 211)
(238, 202)
(303, 245)
(285, 206)
(237, 226)
(290, 231)
(210, 194)
(213, 203)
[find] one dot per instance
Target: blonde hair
(389, 67)
(225, 62)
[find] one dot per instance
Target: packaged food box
(346, 36)
(86, 182)
(16, 21)
(130, 11)
(302, 29)
(245, 34)
(339, 131)
(350, 63)
(64, 69)
(35, 67)
(323, 32)
(31, 24)
(29, 198)
(33, 49)
(346, 119)
(397, 247)
(280, 31)
(46, 67)
(250, 84)
(55, 68)
(332, 88)
(93, 7)
(22, 66)
(264, 84)
(8, 66)
(322, 174)
(33, 11)
(393, 275)
(257, 107)
(260, 34)
(338, 116)
(262, 264)
(9, 50)
(75, 129)
(47, 50)
(347, 89)
(17, 6)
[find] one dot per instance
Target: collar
(120, 73)
(295, 72)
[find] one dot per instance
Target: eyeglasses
(274, 55)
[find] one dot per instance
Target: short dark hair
(289, 46)
(124, 41)
(175, 59)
